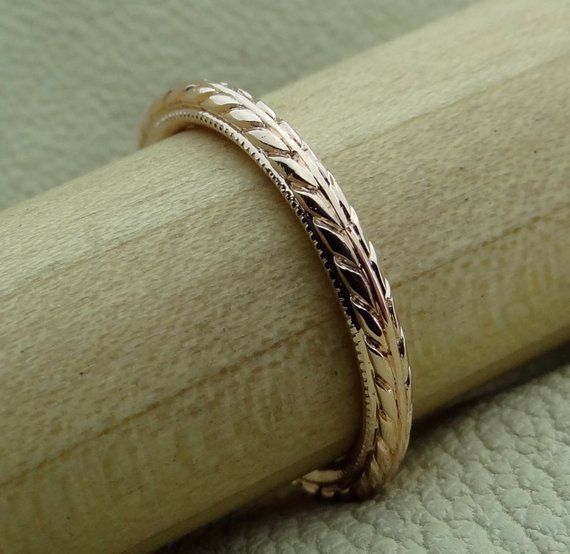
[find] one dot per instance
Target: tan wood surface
(169, 344)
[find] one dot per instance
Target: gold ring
(350, 260)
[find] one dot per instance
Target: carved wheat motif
(349, 258)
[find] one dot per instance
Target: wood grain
(170, 346)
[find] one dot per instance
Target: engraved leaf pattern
(350, 260)
(266, 137)
(222, 100)
(244, 114)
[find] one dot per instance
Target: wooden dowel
(170, 347)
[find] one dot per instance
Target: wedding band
(350, 260)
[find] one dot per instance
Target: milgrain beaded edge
(351, 263)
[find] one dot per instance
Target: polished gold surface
(350, 260)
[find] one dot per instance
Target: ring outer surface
(350, 260)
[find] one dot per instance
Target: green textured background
(75, 79)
